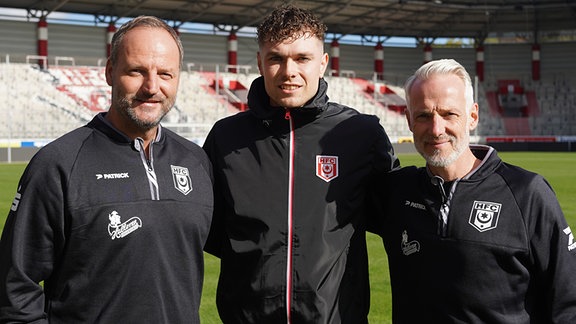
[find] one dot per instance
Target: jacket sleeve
(385, 158)
(376, 204)
(31, 242)
(216, 235)
(384, 162)
(553, 251)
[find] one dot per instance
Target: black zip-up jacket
(289, 222)
(116, 237)
(503, 253)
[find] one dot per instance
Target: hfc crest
(484, 215)
(182, 181)
(326, 167)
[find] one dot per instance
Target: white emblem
(109, 176)
(484, 215)
(409, 247)
(16, 200)
(117, 229)
(181, 177)
(415, 205)
(326, 167)
(571, 243)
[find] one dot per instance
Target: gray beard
(436, 160)
(125, 107)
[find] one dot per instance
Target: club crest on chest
(484, 215)
(326, 167)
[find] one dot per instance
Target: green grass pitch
(557, 168)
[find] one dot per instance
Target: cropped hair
(143, 21)
(442, 67)
(288, 22)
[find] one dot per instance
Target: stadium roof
(423, 19)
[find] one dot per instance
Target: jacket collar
(259, 101)
(490, 161)
(100, 123)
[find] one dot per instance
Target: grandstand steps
(532, 109)
(235, 92)
(492, 100)
(85, 85)
(46, 103)
(351, 92)
(517, 126)
(226, 91)
(385, 95)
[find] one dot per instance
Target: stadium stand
(85, 85)
(556, 107)
(36, 108)
(48, 102)
(45, 103)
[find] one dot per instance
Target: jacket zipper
(149, 167)
(444, 207)
(289, 239)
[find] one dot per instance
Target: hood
(259, 101)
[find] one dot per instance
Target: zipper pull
(287, 114)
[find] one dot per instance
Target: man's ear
(258, 61)
(408, 119)
(109, 72)
(324, 64)
(473, 117)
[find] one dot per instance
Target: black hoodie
(289, 223)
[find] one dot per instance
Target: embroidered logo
(117, 229)
(181, 177)
(409, 247)
(109, 176)
(484, 215)
(16, 200)
(415, 205)
(326, 167)
(571, 243)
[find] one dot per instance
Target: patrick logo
(326, 167)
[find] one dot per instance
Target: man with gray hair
(470, 238)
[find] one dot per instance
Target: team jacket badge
(119, 229)
(326, 167)
(484, 215)
(181, 177)
(409, 247)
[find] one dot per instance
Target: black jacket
(115, 237)
(289, 222)
(506, 254)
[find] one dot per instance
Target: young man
(113, 216)
(290, 180)
(470, 239)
